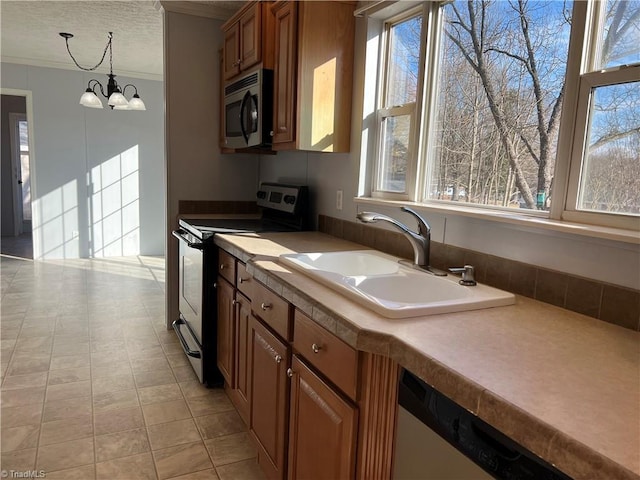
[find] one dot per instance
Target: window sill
(520, 219)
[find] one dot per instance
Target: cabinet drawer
(227, 266)
(326, 352)
(244, 280)
(271, 308)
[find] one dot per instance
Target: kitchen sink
(392, 289)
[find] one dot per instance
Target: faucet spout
(420, 241)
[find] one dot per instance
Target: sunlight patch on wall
(56, 217)
(114, 208)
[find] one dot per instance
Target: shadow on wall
(113, 204)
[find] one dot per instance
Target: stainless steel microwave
(248, 110)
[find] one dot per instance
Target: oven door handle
(179, 235)
(176, 326)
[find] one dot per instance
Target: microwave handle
(245, 100)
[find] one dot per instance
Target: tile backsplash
(610, 303)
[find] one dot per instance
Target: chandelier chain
(104, 54)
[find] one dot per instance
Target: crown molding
(199, 9)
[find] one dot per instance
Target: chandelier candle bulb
(114, 94)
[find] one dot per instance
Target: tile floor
(95, 387)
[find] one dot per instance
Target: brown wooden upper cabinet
(248, 39)
(313, 73)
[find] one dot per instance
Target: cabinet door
(250, 36)
(225, 339)
(323, 426)
(243, 374)
(269, 398)
(231, 51)
(284, 72)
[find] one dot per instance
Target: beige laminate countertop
(564, 385)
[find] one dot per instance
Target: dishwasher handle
(179, 234)
(176, 326)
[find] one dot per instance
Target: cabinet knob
(315, 347)
(278, 359)
(222, 266)
(215, 284)
(242, 280)
(233, 302)
(290, 372)
(265, 306)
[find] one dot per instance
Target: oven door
(191, 273)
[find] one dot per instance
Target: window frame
(412, 109)
(573, 122)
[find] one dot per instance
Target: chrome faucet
(420, 241)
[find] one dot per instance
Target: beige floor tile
(23, 381)
(69, 375)
(201, 475)
(25, 415)
(177, 359)
(37, 344)
(194, 388)
(230, 448)
(112, 421)
(154, 377)
(68, 390)
(68, 408)
(115, 400)
(120, 366)
(62, 350)
(113, 383)
(70, 361)
(145, 364)
(62, 456)
(185, 374)
(40, 331)
(121, 444)
(19, 461)
(215, 402)
(19, 438)
(220, 424)
(66, 430)
(245, 470)
(165, 412)
(159, 394)
(181, 459)
(138, 467)
(22, 396)
(169, 434)
(23, 364)
(87, 472)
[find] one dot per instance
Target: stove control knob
(262, 194)
(290, 199)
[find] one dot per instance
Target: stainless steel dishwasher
(438, 439)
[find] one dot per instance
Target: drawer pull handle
(265, 306)
(315, 347)
(289, 372)
(278, 359)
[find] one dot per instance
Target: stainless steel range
(284, 208)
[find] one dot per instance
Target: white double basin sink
(379, 282)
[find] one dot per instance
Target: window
(396, 117)
(505, 115)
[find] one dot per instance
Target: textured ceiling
(29, 33)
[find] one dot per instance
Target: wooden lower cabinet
(322, 431)
(268, 423)
(225, 338)
(240, 395)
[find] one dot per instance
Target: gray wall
(97, 177)
(9, 104)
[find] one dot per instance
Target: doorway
(16, 178)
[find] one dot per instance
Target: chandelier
(114, 94)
